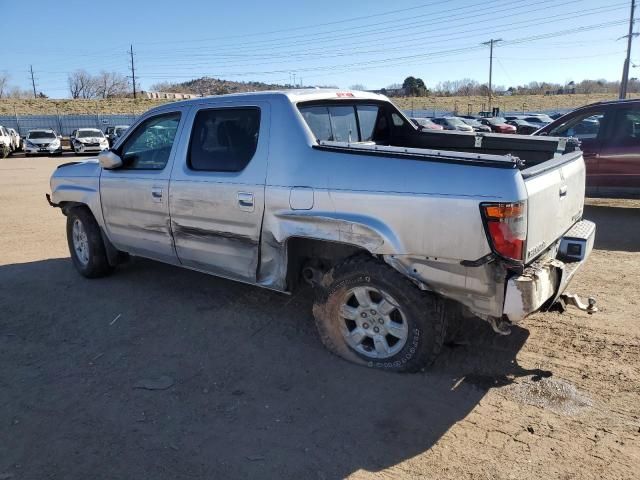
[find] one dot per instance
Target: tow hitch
(567, 299)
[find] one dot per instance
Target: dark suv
(609, 133)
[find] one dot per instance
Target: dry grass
(461, 104)
(67, 107)
(530, 103)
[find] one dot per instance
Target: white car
(16, 140)
(85, 140)
(6, 142)
(42, 141)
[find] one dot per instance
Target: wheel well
(319, 254)
(67, 206)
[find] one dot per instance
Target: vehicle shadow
(618, 228)
(159, 372)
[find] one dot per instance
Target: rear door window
(224, 140)
(625, 130)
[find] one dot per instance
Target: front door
(588, 127)
(619, 161)
(217, 190)
(134, 197)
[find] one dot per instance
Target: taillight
(506, 225)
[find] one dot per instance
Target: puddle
(553, 394)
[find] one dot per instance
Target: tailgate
(555, 192)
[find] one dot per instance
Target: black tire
(423, 312)
(96, 264)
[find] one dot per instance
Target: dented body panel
(417, 209)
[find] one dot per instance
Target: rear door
(619, 160)
(217, 189)
(555, 201)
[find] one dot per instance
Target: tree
(110, 84)
(81, 84)
(414, 87)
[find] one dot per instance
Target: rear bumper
(545, 280)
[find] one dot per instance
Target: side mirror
(109, 160)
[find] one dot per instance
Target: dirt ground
(163, 373)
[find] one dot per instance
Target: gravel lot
(158, 372)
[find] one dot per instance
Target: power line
(394, 60)
(323, 51)
(304, 27)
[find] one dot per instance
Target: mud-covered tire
(423, 312)
(90, 260)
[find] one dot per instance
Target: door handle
(156, 194)
(563, 191)
(245, 201)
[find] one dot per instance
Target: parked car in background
(16, 140)
(5, 142)
(498, 125)
(476, 125)
(426, 124)
(112, 133)
(42, 141)
(539, 119)
(522, 126)
(453, 123)
(609, 133)
(85, 140)
(556, 115)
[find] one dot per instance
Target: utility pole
(133, 72)
(625, 69)
(491, 43)
(33, 82)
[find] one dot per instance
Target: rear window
(341, 123)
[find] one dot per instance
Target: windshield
(36, 135)
(119, 130)
(496, 120)
(472, 121)
(89, 133)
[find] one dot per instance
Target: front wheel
(85, 244)
(368, 313)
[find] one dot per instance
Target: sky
(330, 42)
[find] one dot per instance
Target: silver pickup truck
(398, 229)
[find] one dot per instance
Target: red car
(609, 133)
(426, 124)
(498, 125)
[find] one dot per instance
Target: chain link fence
(64, 124)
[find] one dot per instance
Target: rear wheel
(370, 314)
(85, 244)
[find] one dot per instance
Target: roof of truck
(294, 95)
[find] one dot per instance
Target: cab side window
(149, 146)
(224, 140)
